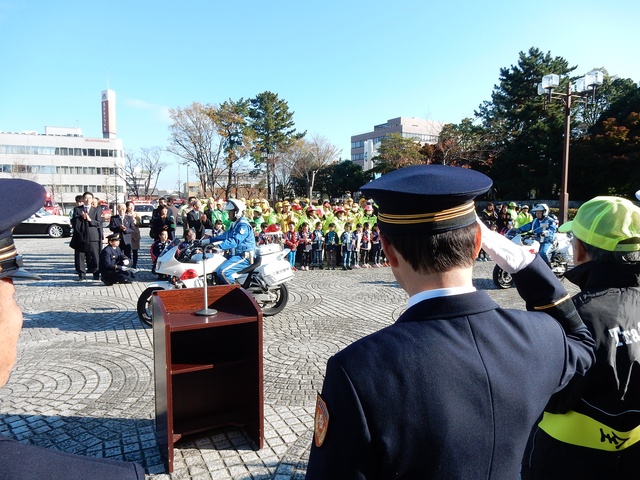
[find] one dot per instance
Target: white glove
(509, 256)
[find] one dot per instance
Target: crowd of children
(326, 248)
(343, 235)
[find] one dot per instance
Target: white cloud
(160, 112)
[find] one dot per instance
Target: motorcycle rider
(544, 228)
(239, 240)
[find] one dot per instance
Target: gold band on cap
(7, 252)
(441, 216)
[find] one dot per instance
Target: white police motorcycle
(265, 278)
(561, 255)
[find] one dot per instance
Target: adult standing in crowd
(197, 220)
(124, 226)
(163, 221)
(173, 210)
(489, 216)
(135, 236)
(452, 389)
(87, 239)
(592, 431)
(18, 200)
(504, 222)
(162, 202)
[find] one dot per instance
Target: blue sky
(342, 66)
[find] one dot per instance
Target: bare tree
(151, 167)
(130, 174)
(195, 139)
(141, 171)
(310, 157)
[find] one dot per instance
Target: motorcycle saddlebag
(277, 272)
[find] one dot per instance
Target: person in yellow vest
(591, 429)
(218, 213)
(368, 216)
(523, 217)
(513, 210)
(268, 214)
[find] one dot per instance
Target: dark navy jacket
(452, 389)
(125, 235)
(28, 462)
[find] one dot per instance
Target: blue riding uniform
(545, 229)
(241, 243)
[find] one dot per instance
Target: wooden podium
(208, 369)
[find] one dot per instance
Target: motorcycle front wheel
(144, 306)
(502, 279)
(280, 299)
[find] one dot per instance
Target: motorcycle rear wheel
(144, 306)
(502, 279)
(276, 306)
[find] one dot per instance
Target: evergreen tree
(530, 135)
(273, 125)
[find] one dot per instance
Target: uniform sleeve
(346, 451)
(543, 292)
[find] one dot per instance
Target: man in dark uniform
(591, 430)
(452, 389)
(87, 238)
(113, 263)
(18, 200)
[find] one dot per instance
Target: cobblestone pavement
(83, 381)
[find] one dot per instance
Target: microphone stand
(206, 311)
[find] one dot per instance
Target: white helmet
(236, 205)
(541, 207)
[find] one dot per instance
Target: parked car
(42, 222)
(145, 210)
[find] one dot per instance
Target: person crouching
(112, 261)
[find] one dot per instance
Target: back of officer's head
(427, 213)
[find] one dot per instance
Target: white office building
(365, 146)
(65, 162)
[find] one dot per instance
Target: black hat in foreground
(19, 199)
(426, 198)
(113, 236)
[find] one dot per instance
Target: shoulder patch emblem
(321, 421)
(242, 230)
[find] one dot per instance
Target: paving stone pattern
(83, 381)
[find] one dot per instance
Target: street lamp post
(578, 91)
